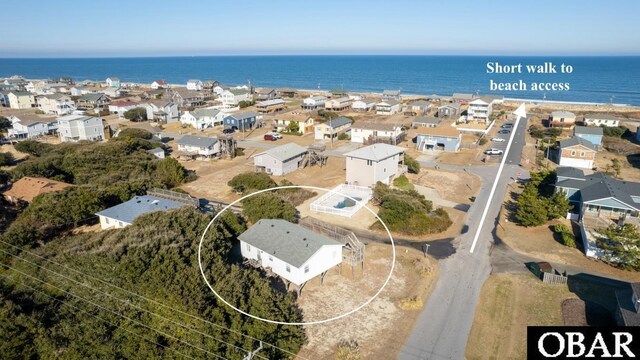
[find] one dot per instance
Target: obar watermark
(566, 342)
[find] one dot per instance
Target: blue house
(590, 133)
(240, 121)
(440, 137)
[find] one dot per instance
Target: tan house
(332, 128)
(338, 104)
(27, 188)
(577, 152)
(562, 119)
(21, 100)
(57, 104)
(269, 106)
(304, 122)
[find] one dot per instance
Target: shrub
(243, 104)
(33, 147)
(554, 131)
(408, 212)
(6, 159)
(251, 181)
(343, 136)
(348, 350)
(39, 112)
(403, 183)
(483, 140)
(616, 131)
(170, 172)
(134, 133)
(4, 124)
(412, 164)
(136, 114)
(267, 205)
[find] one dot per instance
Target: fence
(554, 279)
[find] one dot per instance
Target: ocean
(593, 79)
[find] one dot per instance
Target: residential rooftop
(128, 211)
(375, 152)
(289, 242)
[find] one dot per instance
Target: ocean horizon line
(320, 55)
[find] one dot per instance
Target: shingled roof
(128, 211)
(28, 188)
(289, 242)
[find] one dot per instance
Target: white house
(73, 128)
(77, 90)
(198, 146)
(157, 152)
(280, 160)
(202, 118)
(30, 126)
(314, 102)
(480, 109)
(121, 107)
(365, 104)
(232, 97)
(291, 251)
(21, 100)
(601, 120)
(367, 132)
(124, 214)
(218, 90)
(159, 84)
(388, 107)
(194, 85)
(113, 82)
(370, 164)
(163, 111)
(391, 95)
(57, 104)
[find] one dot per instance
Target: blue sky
(66, 28)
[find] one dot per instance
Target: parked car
(498, 140)
(276, 135)
(270, 137)
(507, 126)
(504, 131)
(228, 131)
(493, 152)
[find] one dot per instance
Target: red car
(270, 137)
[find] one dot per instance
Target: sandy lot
(214, 174)
(508, 303)
(381, 327)
(464, 157)
(457, 186)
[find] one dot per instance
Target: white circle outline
(393, 262)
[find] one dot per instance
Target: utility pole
(253, 353)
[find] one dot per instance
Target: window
(270, 258)
(288, 268)
(248, 247)
(106, 220)
(573, 153)
(370, 162)
(306, 269)
(583, 154)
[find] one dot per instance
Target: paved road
(443, 326)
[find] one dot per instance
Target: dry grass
(508, 304)
(381, 327)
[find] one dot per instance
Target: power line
(113, 312)
(100, 318)
(157, 302)
(126, 302)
